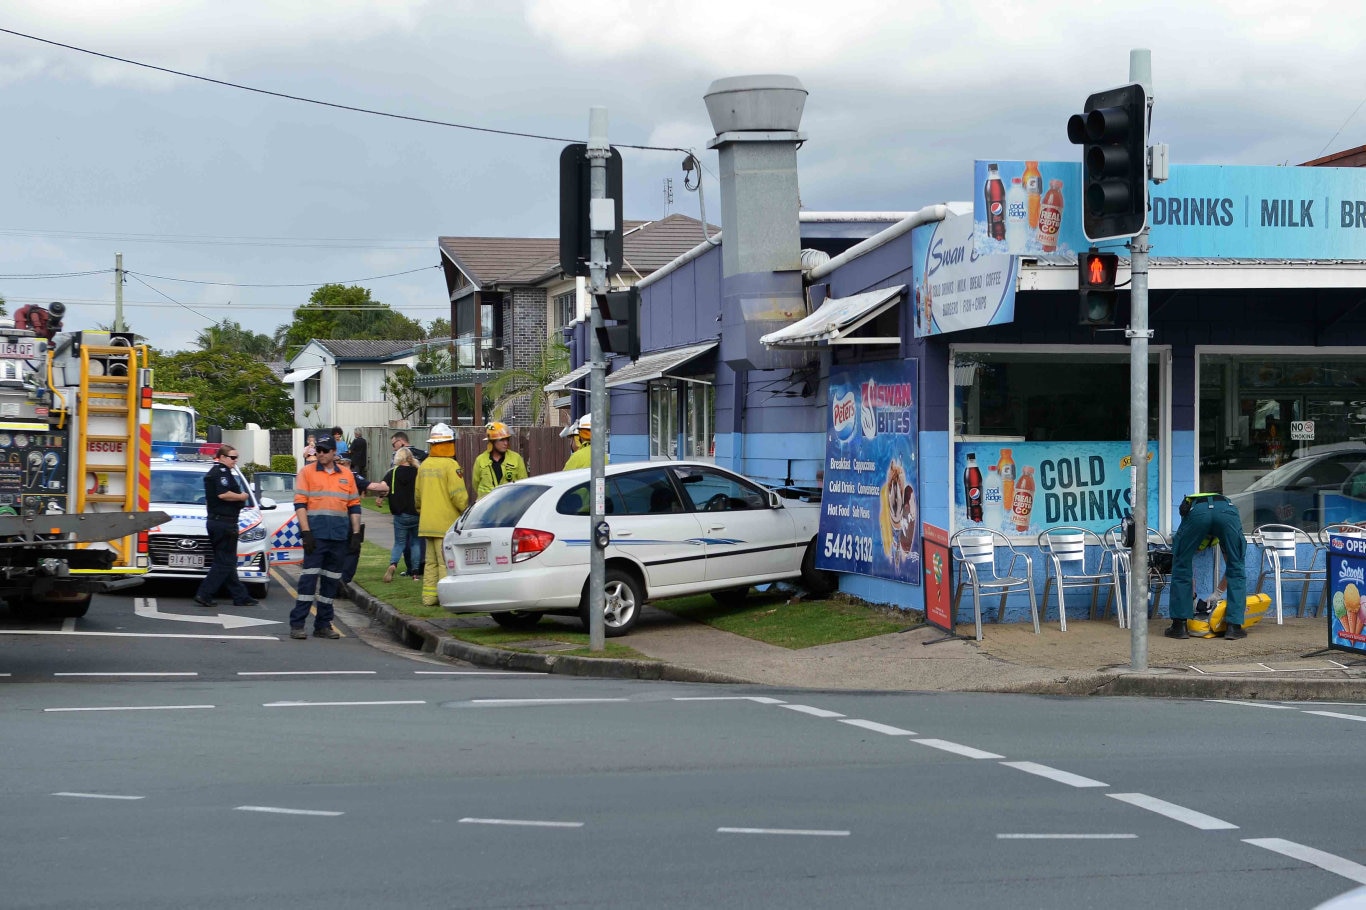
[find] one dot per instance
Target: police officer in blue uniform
(1207, 517)
(224, 497)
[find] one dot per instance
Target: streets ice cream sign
(870, 514)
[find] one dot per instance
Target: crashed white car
(180, 549)
(677, 528)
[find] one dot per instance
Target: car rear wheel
(516, 619)
(621, 603)
(66, 608)
(259, 591)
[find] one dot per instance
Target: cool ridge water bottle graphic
(993, 507)
(995, 193)
(972, 489)
(1017, 217)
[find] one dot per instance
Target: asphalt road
(335, 774)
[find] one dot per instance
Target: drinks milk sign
(956, 286)
(1201, 211)
(870, 507)
(1347, 582)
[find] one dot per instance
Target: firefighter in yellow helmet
(497, 464)
(583, 455)
(441, 496)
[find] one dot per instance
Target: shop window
(1284, 436)
(682, 418)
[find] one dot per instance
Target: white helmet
(586, 426)
(440, 433)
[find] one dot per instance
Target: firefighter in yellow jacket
(583, 455)
(497, 464)
(441, 496)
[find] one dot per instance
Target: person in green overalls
(1207, 517)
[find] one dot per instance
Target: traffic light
(623, 308)
(1096, 273)
(576, 233)
(1113, 135)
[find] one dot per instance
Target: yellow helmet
(497, 430)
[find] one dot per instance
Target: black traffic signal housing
(576, 233)
(1096, 273)
(622, 308)
(1113, 135)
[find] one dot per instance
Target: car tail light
(142, 541)
(526, 543)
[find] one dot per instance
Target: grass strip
(778, 619)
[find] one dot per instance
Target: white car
(180, 549)
(677, 528)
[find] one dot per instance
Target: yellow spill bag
(1212, 625)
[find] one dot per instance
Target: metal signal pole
(598, 152)
(1140, 71)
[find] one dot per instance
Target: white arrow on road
(147, 607)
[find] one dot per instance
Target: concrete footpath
(1091, 658)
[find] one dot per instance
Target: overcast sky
(196, 181)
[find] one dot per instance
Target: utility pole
(1140, 72)
(119, 325)
(602, 218)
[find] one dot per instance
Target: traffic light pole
(598, 152)
(1140, 71)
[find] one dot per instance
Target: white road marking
(1250, 704)
(522, 822)
(517, 702)
(146, 607)
(956, 748)
(131, 708)
(1336, 714)
(877, 727)
(1327, 704)
(814, 712)
(335, 704)
(6, 674)
(1326, 861)
(149, 674)
(805, 832)
(97, 795)
(1062, 777)
(476, 673)
(1174, 812)
(210, 636)
(276, 810)
(1066, 836)
(69, 624)
(306, 672)
(760, 699)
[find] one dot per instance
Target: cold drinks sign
(1026, 487)
(870, 510)
(1202, 211)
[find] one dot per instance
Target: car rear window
(502, 508)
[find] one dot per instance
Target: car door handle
(717, 528)
(622, 533)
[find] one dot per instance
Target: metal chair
(1119, 555)
(1342, 529)
(989, 562)
(1280, 556)
(1075, 558)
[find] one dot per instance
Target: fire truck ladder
(107, 426)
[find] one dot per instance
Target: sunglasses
(233, 457)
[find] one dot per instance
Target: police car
(180, 549)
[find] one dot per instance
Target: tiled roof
(490, 261)
(365, 348)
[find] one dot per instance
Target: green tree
(439, 328)
(227, 390)
(511, 388)
(400, 386)
(229, 335)
(337, 311)
(3, 311)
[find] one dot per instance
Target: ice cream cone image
(1340, 610)
(1351, 602)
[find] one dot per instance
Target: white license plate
(19, 350)
(476, 556)
(186, 561)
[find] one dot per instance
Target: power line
(35, 276)
(310, 284)
(210, 240)
(331, 104)
(229, 306)
(172, 299)
(1340, 129)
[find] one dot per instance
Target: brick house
(507, 295)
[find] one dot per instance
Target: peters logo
(115, 448)
(843, 414)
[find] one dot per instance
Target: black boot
(1177, 629)
(1234, 632)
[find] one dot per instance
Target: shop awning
(568, 379)
(836, 318)
(658, 365)
(301, 375)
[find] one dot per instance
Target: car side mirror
(774, 500)
(267, 503)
